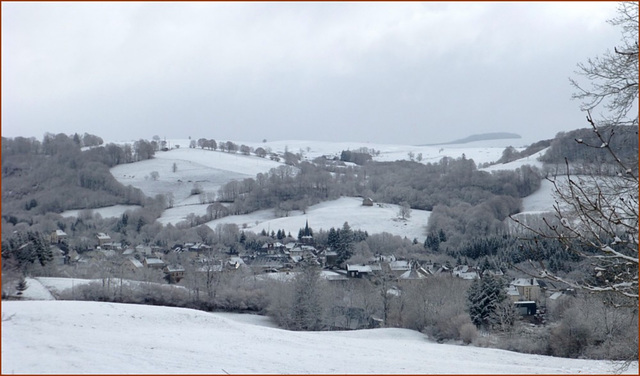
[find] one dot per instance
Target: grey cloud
(379, 72)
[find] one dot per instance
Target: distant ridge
(480, 137)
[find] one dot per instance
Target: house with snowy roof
(103, 239)
(153, 262)
(414, 274)
(528, 289)
(273, 248)
(465, 272)
(174, 273)
(358, 270)
(399, 267)
(58, 236)
(133, 265)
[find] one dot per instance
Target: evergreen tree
(344, 247)
(432, 242)
(484, 296)
(333, 238)
(140, 224)
(442, 236)
(27, 248)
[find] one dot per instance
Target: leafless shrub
(468, 333)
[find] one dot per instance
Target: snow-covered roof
(412, 274)
(556, 295)
(60, 233)
(525, 282)
(136, 263)
(359, 268)
(103, 236)
(513, 291)
(375, 267)
(153, 260)
(465, 272)
(399, 265)
(467, 275)
(108, 252)
(332, 276)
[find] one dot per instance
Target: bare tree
(404, 211)
(597, 216)
(613, 77)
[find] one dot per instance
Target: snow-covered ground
(209, 169)
(373, 219)
(36, 290)
(71, 337)
(531, 160)
(105, 212)
(541, 200)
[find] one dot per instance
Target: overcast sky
(406, 73)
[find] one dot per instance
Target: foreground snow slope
(93, 337)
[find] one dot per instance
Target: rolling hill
(72, 337)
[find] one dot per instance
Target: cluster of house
(276, 257)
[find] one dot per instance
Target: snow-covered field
(541, 200)
(531, 160)
(209, 169)
(106, 212)
(373, 219)
(71, 337)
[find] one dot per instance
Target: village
(278, 260)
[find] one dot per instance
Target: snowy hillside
(531, 160)
(106, 212)
(480, 152)
(211, 169)
(70, 337)
(207, 168)
(374, 219)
